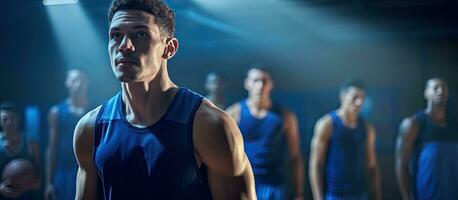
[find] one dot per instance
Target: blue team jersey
(265, 144)
(434, 166)
(64, 177)
(66, 123)
(156, 162)
(346, 166)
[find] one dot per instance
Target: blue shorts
(270, 192)
(330, 196)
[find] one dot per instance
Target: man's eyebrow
(135, 27)
(115, 29)
(140, 27)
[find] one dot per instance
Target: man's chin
(125, 79)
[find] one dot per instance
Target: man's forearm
(375, 183)
(403, 181)
(50, 165)
(298, 176)
(316, 182)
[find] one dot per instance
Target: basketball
(21, 173)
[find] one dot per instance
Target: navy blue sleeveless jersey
(434, 165)
(66, 123)
(156, 162)
(265, 144)
(346, 166)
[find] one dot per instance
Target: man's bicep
(292, 134)
(218, 142)
(52, 123)
(86, 182)
(371, 151)
(232, 187)
(408, 131)
(319, 145)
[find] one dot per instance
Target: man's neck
(259, 105)
(348, 117)
(78, 100)
(145, 102)
(436, 112)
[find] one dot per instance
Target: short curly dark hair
(8, 107)
(357, 83)
(164, 16)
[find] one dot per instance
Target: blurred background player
(271, 138)
(214, 85)
(343, 151)
(61, 166)
(427, 148)
(16, 144)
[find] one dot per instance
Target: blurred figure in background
(271, 138)
(343, 151)
(16, 144)
(427, 148)
(61, 165)
(214, 85)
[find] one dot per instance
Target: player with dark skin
(424, 145)
(139, 52)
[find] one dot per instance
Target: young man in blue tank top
(61, 167)
(343, 156)
(15, 144)
(271, 137)
(154, 140)
(427, 148)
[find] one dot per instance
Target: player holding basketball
(15, 144)
(155, 140)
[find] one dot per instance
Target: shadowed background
(312, 46)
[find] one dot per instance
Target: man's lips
(126, 61)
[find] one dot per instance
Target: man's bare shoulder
(410, 121)
(85, 127)
(324, 122)
(209, 115)
(409, 126)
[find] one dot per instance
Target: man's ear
(171, 47)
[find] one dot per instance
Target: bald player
(343, 156)
(155, 140)
(427, 148)
(271, 138)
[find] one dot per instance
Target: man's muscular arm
(83, 141)
(219, 146)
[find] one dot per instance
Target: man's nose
(126, 45)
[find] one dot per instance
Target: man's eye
(141, 34)
(115, 35)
